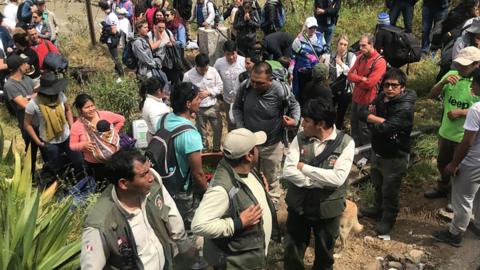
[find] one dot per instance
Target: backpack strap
(331, 146)
(373, 64)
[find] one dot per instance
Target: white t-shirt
(10, 13)
(229, 74)
(125, 26)
(152, 110)
(472, 123)
(33, 109)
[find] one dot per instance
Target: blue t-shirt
(186, 143)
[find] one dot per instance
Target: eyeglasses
(391, 85)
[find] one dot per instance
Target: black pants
(56, 163)
(407, 11)
(34, 147)
(298, 237)
(98, 171)
(118, 65)
(342, 102)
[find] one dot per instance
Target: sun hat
(239, 142)
(51, 85)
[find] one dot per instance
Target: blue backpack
(128, 57)
(280, 18)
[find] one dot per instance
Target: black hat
(40, 2)
(51, 85)
(15, 61)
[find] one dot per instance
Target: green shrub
(121, 98)
(367, 194)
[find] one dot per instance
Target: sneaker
(446, 236)
(371, 212)
(385, 226)
(435, 194)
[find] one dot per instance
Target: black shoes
(371, 212)
(435, 193)
(386, 224)
(446, 237)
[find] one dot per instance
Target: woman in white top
(152, 105)
(160, 39)
(339, 64)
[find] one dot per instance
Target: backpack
(21, 19)
(128, 57)
(278, 71)
(280, 18)
(217, 12)
(161, 153)
(405, 48)
(446, 53)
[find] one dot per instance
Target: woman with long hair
(152, 105)
(339, 64)
(95, 133)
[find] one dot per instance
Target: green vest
(118, 240)
(246, 248)
(317, 203)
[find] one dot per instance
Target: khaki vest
(119, 243)
(317, 203)
(245, 249)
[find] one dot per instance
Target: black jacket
(332, 7)
(451, 27)
(276, 45)
(184, 7)
(392, 138)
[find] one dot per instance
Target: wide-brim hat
(51, 85)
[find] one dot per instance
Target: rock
(377, 265)
(210, 41)
(368, 239)
(396, 257)
(409, 266)
(415, 255)
(395, 265)
(429, 266)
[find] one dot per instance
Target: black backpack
(21, 19)
(405, 48)
(128, 57)
(161, 153)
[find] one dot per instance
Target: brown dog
(348, 222)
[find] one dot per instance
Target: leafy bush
(33, 229)
(367, 194)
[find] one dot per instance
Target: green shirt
(455, 97)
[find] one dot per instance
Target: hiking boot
(446, 236)
(386, 224)
(435, 193)
(371, 212)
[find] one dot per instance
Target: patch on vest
(331, 160)
(159, 201)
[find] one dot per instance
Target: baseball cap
(467, 56)
(15, 61)
(239, 142)
(310, 22)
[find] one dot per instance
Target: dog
(348, 222)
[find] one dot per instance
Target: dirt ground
(417, 220)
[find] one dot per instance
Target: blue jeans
(118, 65)
(327, 31)
(431, 17)
(407, 11)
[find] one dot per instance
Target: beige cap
(467, 56)
(239, 142)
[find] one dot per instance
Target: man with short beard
(41, 46)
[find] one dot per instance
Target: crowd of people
(285, 99)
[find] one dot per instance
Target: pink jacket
(78, 134)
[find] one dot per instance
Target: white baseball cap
(310, 22)
(467, 56)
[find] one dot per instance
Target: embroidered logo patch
(159, 201)
(331, 160)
